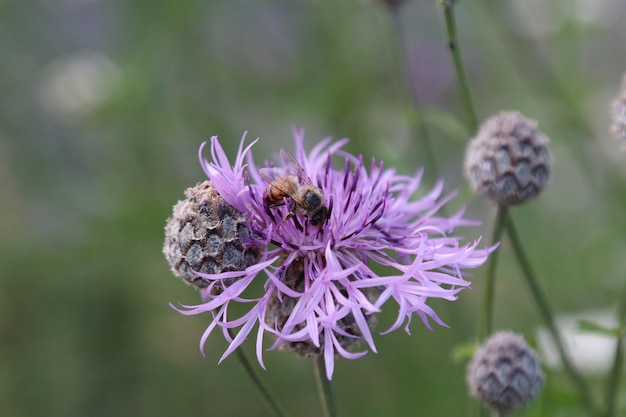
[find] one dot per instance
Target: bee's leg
(292, 213)
(277, 204)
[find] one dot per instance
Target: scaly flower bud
(508, 160)
(505, 373)
(206, 234)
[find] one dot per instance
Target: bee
(291, 181)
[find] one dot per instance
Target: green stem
(487, 324)
(325, 388)
(269, 400)
(453, 46)
(615, 376)
(419, 122)
(546, 314)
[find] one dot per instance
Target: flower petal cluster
(380, 245)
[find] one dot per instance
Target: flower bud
(505, 373)
(508, 160)
(207, 235)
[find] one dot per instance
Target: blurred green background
(103, 105)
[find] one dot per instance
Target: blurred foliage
(103, 105)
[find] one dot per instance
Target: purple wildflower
(319, 289)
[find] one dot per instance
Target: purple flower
(320, 287)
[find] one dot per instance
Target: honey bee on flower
(317, 294)
(291, 181)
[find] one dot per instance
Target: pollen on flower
(206, 235)
(313, 286)
(508, 161)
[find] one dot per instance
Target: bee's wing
(273, 174)
(276, 176)
(293, 166)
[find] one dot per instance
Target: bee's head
(320, 216)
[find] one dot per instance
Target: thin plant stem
(471, 122)
(486, 324)
(546, 314)
(488, 300)
(453, 46)
(325, 388)
(419, 122)
(269, 399)
(615, 376)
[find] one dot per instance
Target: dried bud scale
(207, 235)
(618, 114)
(505, 373)
(508, 160)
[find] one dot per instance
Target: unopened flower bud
(207, 235)
(618, 114)
(505, 373)
(508, 160)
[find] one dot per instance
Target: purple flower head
(320, 287)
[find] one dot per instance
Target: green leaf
(592, 327)
(464, 352)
